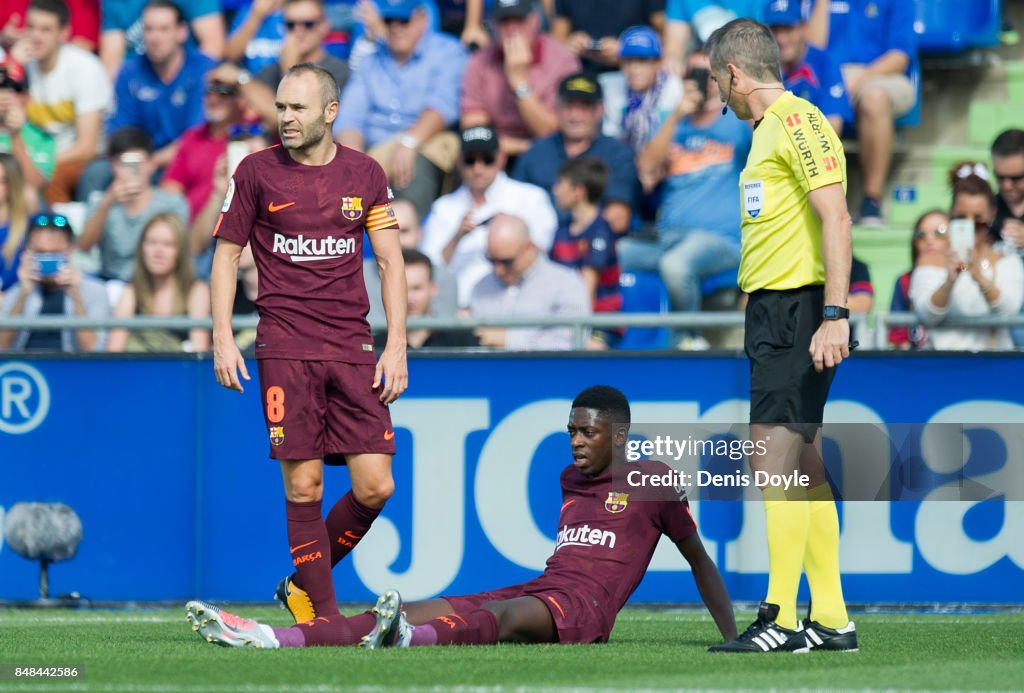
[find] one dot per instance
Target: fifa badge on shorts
(276, 435)
(616, 502)
(352, 207)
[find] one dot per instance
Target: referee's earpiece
(725, 106)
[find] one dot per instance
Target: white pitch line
(82, 687)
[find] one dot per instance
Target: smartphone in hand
(961, 237)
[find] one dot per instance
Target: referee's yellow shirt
(794, 151)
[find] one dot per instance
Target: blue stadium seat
(644, 292)
(912, 118)
(953, 26)
(729, 279)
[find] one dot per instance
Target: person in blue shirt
(697, 155)
(691, 22)
(874, 43)
(161, 91)
(401, 101)
(122, 37)
(580, 112)
(807, 71)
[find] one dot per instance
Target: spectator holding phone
(971, 277)
(115, 222)
(50, 284)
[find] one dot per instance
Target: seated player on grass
(607, 536)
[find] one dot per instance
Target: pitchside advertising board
(170, 476)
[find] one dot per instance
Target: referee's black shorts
(784, 387)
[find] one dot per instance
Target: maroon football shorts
(577, 617)
(325, 409)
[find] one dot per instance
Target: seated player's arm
(709, 582)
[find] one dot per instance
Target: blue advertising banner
(171, 477)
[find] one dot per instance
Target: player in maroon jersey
(605, 542)
(303, 207)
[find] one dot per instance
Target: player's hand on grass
(228, 362)
(830, 344)
(392, 372)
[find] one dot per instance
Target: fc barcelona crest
(616, 502)
(276, 435)
(352, 207)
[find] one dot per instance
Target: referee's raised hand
(830, 344)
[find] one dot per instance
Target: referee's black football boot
(764, 635)
(821, 637)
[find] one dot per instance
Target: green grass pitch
(155, 651)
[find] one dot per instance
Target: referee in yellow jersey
(795, 266)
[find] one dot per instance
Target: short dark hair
(328, 85)
(609, 403)
(128, 138)
(57, 7)
(179, 16)
(749, 45)
(1008, 143)
(411, 256)
(590, 172)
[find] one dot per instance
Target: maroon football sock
(310, 549)
(336, 631)
(347, 522)
(478, 627)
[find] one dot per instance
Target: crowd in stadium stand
(537, 150)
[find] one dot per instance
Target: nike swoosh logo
(389, 435)
(302, 546)
(277, 208)
(350, 535)
(567, 503)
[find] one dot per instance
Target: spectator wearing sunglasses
(930, 239)
(50, 284)
(401, 101)
(305, 28)
(983, 281)
(524, 283)
(455, 233)
(1008, 166)
(200, 169)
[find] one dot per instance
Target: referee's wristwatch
(835, 313)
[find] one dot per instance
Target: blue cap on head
(639, 42)
(398, 9)
(784, 12)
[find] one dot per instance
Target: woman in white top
(989, 282)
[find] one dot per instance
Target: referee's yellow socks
(821, 562)
(787, 523)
